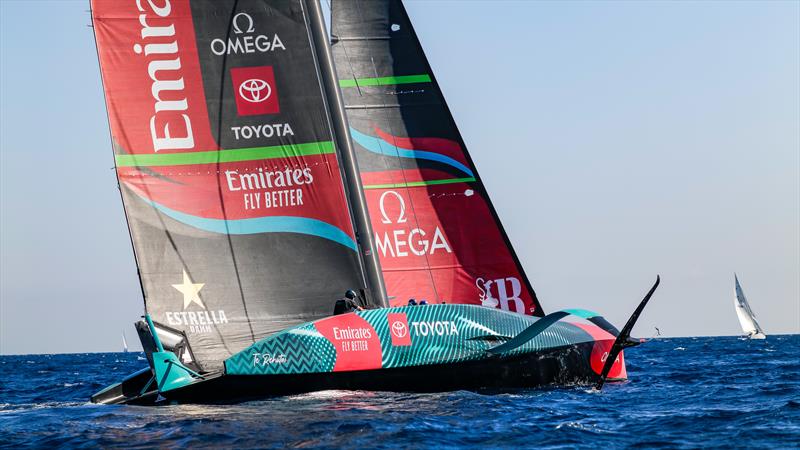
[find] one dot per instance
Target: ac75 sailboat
(265, 170)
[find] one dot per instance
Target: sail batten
(438, 235)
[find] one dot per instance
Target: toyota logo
(255, 90)
(399, 329)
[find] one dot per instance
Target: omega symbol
(401, 218)
(235, 23)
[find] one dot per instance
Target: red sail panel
(437, 233)
(228, 173)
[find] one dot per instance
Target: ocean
(710, 392)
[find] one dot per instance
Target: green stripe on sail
(225, 156)
(419, 183)
(386, 81)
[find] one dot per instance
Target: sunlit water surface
(683, 393)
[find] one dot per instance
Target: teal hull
(412, 348)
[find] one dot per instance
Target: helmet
(412, 302)
(423, 302)
(351, 294)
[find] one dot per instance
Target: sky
(618, 140)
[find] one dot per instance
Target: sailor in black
(348, 303)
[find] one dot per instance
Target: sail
(230, 181)
(747, 319)
(437, 233)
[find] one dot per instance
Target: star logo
(190, 291)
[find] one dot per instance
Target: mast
(341, 130)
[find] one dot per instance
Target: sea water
(719, 392)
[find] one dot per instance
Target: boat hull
(411, 349)
(569, 365)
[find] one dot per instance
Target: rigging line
(408, 189)
(362, 263)
(405, 178)
(363, 38)
(370, 106)
(394, 138)
(479, 186)
(346, 187)
(219, 183)
(116, 170)
(352, 71)
(344, 48)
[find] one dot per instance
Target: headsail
(747, 318)
(229, 176)
(438, 235)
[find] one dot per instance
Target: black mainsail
(438, 235)
(229, 175)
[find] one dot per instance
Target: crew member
(348, 303)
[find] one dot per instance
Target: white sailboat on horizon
(747, 318)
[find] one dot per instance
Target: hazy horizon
(617, 141)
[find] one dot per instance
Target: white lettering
(229, 176)
(168, 142)
(516, 291)
(266, 130)
(395, 244)
(399, 243)
(175, 85)
(246, 45)
(385, 244)
(438, 327)
(351, 333)
(412, 241)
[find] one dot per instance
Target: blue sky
(617, 139)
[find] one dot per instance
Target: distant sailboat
(747, 318)
(124, 343)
